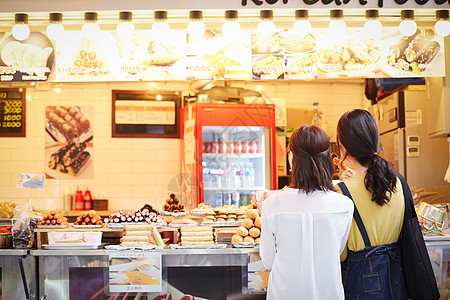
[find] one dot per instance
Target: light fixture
(160, 26)
(20, 30)
(266, 26)
(407, 27)
(302, 26)
(158, 97)
(372, 27)
(196, 27)
(125, 28)
(231, 26)
(90, 27)
(442, 26)
(55, 29)
(337, 24)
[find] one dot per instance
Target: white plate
(121, 248)
(182, 225)
(87, 226)
(72, 246)
(86, 172)
(222, 224)
(245, 245)
(52, 226)
(218, 246)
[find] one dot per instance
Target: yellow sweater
(383, 223)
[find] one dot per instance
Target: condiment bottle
(79, 202)
(67, 199)
(87, 199)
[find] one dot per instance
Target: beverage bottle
(79, 202)
(206, 175)
(251, 175)
(235, 198)
(316, 113)
(234, 171)
(241, 175)
(214, 173)
(218, 199)
(227, 199)
(242, 199)
(227, 176)
(87, 199)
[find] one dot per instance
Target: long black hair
(357, 131)
(312, 166)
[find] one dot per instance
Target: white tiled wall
(131, 172)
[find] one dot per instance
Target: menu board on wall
(12, 112)
(145, 114)
(216, 56)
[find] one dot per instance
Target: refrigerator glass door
(235, 163)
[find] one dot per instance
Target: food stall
(132, 94)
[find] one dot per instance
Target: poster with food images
(28, 60)
(135, 272)
(218, 56)
(83, 57)
(268, 61)
(69, 142)
(152, 56)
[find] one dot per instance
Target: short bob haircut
(312, 167)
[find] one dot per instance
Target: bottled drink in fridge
(218, 199)
(251, 175)
(227, 198)
(206, 175)
(235, 198)
(242, 199)
(241, 173)
(216, 172)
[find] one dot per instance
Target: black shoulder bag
(417, 271)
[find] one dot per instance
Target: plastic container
(79, 202)
(87, 200)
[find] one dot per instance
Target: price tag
(12, 112)
(135, 271)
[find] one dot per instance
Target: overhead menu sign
(284, 55)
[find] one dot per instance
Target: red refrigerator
(227, 153)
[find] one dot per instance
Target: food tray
(437, 238)
(121, 248)
(222, 224)
(218, 246)
(122, 225)
(200, 212)
(87, 226)
(168, 213)
(245, 245)
(182, 225)
(72, 246)
(52, 226)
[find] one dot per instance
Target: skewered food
(135, 216)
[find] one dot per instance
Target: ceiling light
(55, 29)
(372, 27)
(231, 26)
(407, 27)
(337, 25)
(442, 26)
(20, 30)
(90, 27)
(266, 26)
(160, 26)
(302, 26)
(125, 28)
(196, 27)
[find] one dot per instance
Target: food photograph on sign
(68, 142)
(218, 56)
(138, 274)
(417, 55)
(148, 55)
(28, 60)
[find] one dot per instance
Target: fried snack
(54, 217)
(78, 163)
(258, 222)
(242, 231)
(298, 44)
(247, 223)
(249, 239)
(253, 213)
(226, 68)
(254, 232)
(237, 239)
(257, 240)
(7, 209)
(88, 218)
(304, 65)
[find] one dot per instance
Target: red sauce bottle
(79, 202)
(87, 199)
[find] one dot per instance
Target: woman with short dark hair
(371, 269)
(305, 227)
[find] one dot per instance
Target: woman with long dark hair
(371, 269)
(305, 227)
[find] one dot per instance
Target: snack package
(23, 228)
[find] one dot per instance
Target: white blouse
(302, 237)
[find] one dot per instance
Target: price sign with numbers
(12, 112)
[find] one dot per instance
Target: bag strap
(356, 215)
(410, 212)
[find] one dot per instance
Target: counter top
(13, 252)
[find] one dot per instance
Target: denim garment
(374, 272)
